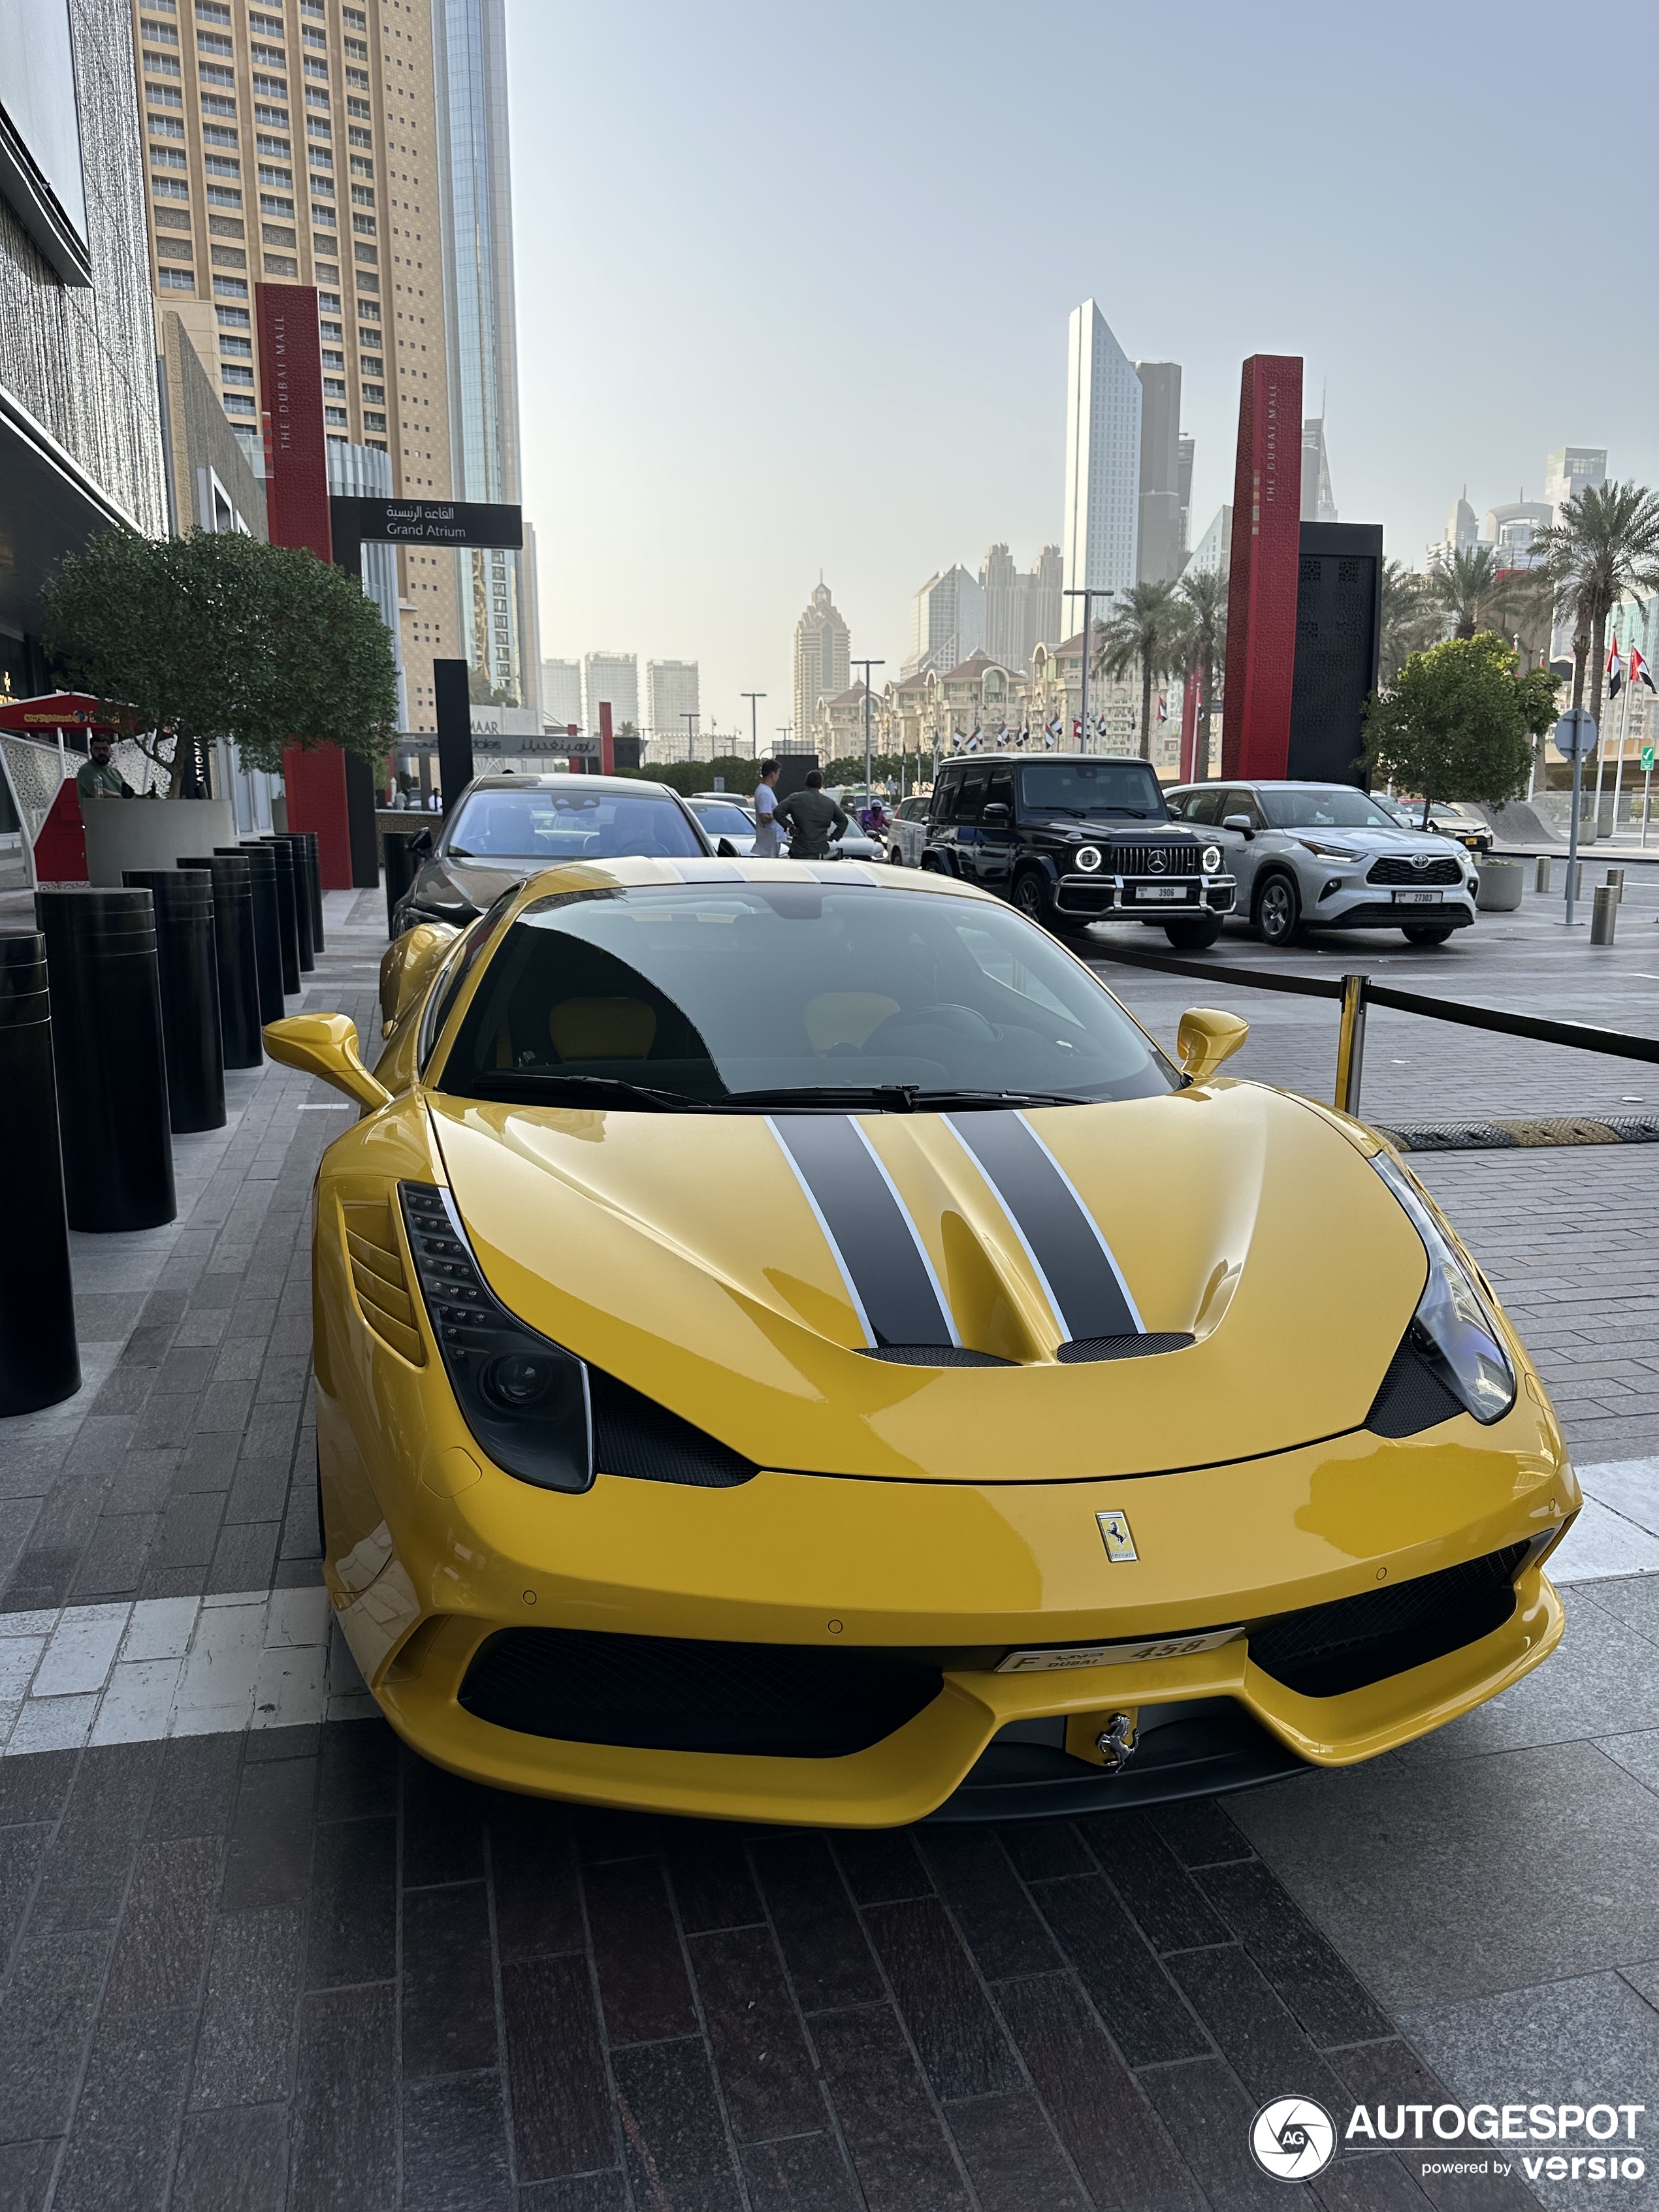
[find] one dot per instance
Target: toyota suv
(1075, 838)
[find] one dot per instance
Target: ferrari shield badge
(1115, 1534)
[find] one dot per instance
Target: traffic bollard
(1578, 879)
(287, 913)
(187, 961)
(1540, 881)
(267, 923)
(1616, 882)
(235, 955)
(290, 841)
(313, 878)
(1605, 915)
(108, 1050)
(39, 1361)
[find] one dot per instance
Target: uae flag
(1615, 671)
(1639, 671)
(1163, 711)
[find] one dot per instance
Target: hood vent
(633, 1436)
(379, 1284)
(1083, 1349)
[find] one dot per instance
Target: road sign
(1574, 734)
(1647, 760)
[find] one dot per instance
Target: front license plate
(1416, 898)
(1160, 890)
(1065, 1656)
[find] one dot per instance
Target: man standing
(767, 843)
(100, 778)
(814, 818)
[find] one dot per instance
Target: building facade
(1213, 553)
(1102, 457)
(562, 693)
(609, 679)
(1161, 547)
(1318, 500)
(823, 666)
(947, 620)
(1023, 607)
(670, 694)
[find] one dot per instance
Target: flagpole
(1619, 765)
(1602, 750)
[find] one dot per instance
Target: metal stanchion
(109, 1056)
(267, 923)
(40, 1363)
(402, 867)
(1604, 915)
(293, 844)
(1540, 881)
(1351, 1045)
(1616, 882)
(313, 876)
(288, 919)
(1578, 878)
(235, 957)
(188, 965)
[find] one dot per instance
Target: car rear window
(550, 826)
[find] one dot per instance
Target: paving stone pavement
(279, 1967)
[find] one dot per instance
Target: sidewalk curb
(1532, 1135)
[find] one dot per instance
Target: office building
(947, 620)
(211, 483)
(1318, 500)
(670, 694)
(562, 693)
(612, 679)
(1187, 447)
(1102, 457)
(823, 666)
(1510, 528)
(1213, 553)
(1022, 606)
(1159, 550)
(1571, 470)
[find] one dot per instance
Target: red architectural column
(1262, 585)
(607, 741)
(296, 514)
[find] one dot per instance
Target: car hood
(1233, 1214)
(1404, 842)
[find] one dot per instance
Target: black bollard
(287, 913)
(236, 957)
(189, 965)
(314, 875)
(40, 1364)
(267, 923)
(111, 1063)
(293, 845)
(403, 865)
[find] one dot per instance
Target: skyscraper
(1158, 559)
(1571, 470)
(1318, 500)
(612, 677)
(1102, 456)
(561, 692)
(1022, 607)
(1188, 449)
(670, 694)
(822, 667)
(947, 620)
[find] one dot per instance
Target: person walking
(769, 843)
(814, 819)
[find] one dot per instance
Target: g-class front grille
(1169, 858)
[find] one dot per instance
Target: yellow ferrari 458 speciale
(791, 1346)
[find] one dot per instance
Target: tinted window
(1242, 802)
(1325, 807)
(1000, 790)
(1102, 786)
(722, 821)
(712, 991)
(944, 794)
(550, 826)
(970, 796)
(1203, 805)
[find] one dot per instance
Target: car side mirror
(1241, 823)
(1206, 1038)
(423, 844)
(995, 814)
(406, 967)
(326, 1045)
(726, 850)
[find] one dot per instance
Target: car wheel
(1278, 910)
(932, 866)
(894, 857)
(1428, 933)
(1193, 936)
(1031, 896)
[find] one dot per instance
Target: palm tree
(1199, 648)
(1604, 549)
(1472, 589)
(1142, 630)
(1407, 619)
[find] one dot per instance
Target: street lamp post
(1088, 593)
(754, 735)
(867, 666)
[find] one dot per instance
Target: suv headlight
(1325, 852)
(1210, 860)
(1454, 1326)
(1087, 858)
(524, 1398)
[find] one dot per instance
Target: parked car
(725, 821)
(1074, 838)
(1470, 827)
(907, 840)
(1326, 856)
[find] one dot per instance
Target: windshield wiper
(598, 1087)
(893, 1097)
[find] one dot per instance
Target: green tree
(1141, 631)
(1409, 619)
(1457, 723)
(1471, 590)
(204, 637)
(1199, 647)
(1604, 549)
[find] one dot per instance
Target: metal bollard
(1351, 1046)
(1616, 882)
(1578, 879)
(235, 955)
(291, 842)
(1540, 881)
(40, 1363)
(107, 1047)
(1605, 916)
(189, 968)
(287, 915)
(313, 876)
(267, 923)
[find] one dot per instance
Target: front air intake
(1327, 1649)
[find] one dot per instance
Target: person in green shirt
(100, 778)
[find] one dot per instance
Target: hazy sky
(793, 281)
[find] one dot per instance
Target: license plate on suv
(1159, 890)
(1416, 898)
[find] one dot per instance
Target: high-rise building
(1022, 606)
(1318, 500)
(1102, 456)
(947, 621)
(670, 694)
(1188, 448)
(272, 135)
(1571, 470)
(562, 693)
(1213, 553)
(1157, 558)
(822, 667)
(611, 679)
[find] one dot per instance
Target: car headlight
(1087, 858)
(1454, 1326)
(1325, 852)
(525, 1399)
(1210, 860)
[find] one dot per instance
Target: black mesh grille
(1085, 1348)
(1331, 1649)
(932, 1355)
(667, 1693)
(1408, 873)
(635, 1435)
(1411, 1396)
(1172, 858)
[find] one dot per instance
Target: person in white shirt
(768, 842)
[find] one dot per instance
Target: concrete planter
(151, 833)
(1499, 887)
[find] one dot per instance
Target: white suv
(1325, 856)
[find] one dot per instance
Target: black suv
(1073, 838)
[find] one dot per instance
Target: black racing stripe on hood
(1059, 1235)
(873, 1238)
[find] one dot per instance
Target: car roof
(568, 782)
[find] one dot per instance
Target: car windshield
(721, 819)
(1324, 808)
(549, 826)
(747, 997)
(1104, 786)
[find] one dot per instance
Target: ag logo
(1292, 2138)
